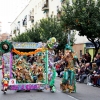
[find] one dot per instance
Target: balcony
(31, 15)
(45, 6)
(24, 22)
(58, 10)
(32, 19)
(63, 1)
(14, 31)
(17, 28)
(58, 13)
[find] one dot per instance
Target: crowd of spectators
(87, 72)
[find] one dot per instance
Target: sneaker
(78, 80)
(87, 83)
(90, 84)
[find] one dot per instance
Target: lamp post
(68, 36)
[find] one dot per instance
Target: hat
(68, 47)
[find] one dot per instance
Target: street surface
(84, 92)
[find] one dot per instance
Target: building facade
(32, 13)
(38, 9)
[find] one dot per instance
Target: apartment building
(38, 9)
(32, 13)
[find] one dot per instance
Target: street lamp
(68, 36)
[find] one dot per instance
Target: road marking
(72, 97)
(58, 91)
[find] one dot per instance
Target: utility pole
(68, 37)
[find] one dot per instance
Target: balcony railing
(24, 23)
(63, 1)
(58, 10)
(45, 6)
(14, 31)
(32, 19)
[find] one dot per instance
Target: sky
(9, 10)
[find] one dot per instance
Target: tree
(34, 35)
(30, 35)
(83, 16)
(44, 30)
(50, 27)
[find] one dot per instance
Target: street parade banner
(27, 45)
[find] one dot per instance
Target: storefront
(82, 48)
(89, 47)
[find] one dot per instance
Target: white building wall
(53, 6)
(37, 5)
(21, 17)
(38, 13)
(80, 39)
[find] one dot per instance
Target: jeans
(83, 77)
(89, 78)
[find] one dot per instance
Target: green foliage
(83, 16)
(29, 36)
(44, 30)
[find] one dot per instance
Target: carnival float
(19, 73)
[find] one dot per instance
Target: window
(52, 14)
(80, 53)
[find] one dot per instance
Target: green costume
(69, 73)
(52, 81)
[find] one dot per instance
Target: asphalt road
(84, 92)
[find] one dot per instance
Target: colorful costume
(5, 83)
(51, 45)
(68, 81)
(52, 80)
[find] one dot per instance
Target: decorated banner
(27, 45)
(6, 64)
(27, 87)
(29, 53)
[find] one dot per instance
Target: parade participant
(5, 82)
(68, 81)
(51, 45)
(52, 76)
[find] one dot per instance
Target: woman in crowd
(87, 58)
(85, 72)
(97, 60)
